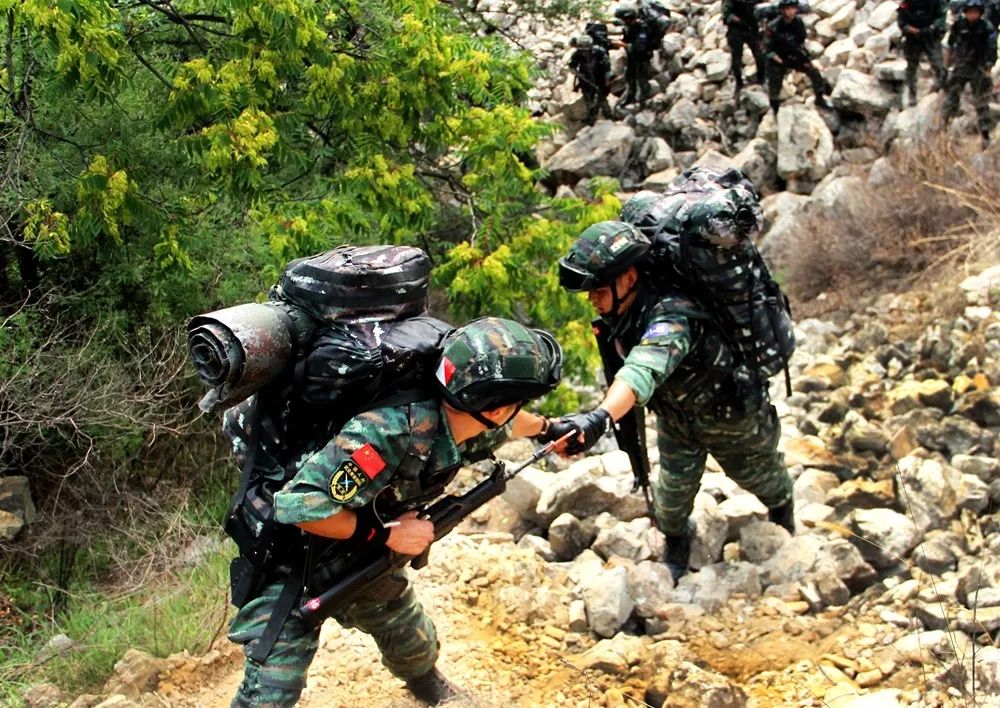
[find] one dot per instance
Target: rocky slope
(887, 595)
(889, 592)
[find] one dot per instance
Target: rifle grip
(420, 561)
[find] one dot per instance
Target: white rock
(930, 647)
(813, 485)
(884, 15)
(524, 491)
(883, 536)
(608, 601)
(649, 585)
(927, 492)
(839, 50)
(601, 149)
(861, 93)
(805, 144)
(627, 540)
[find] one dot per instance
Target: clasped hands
(589, 426)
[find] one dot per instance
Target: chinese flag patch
(367, 458)
(445, 370)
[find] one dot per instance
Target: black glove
(556, 428)
(593, 424)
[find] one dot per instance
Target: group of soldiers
(676, 360)
(778, 44)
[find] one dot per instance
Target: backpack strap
(287, 599)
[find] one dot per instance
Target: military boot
(431, 688)
(784, 516)
(986, 139)
(679, 552)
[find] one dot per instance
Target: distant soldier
(971, 53)
(743, 29)
(592, 66)
(638, 46)
(785, 39)
(922, 23)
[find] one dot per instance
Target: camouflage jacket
(973, 46)
(786, 40)
(738, 16)
(929, 16)
(678, 362)
(397, 456)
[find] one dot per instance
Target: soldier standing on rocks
(785, 39)
(592, 66)
(638, 46)
(677, 361)
(971, 54)
(922, 23)
(382, 462)
(742, 28)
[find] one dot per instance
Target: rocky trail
(887, 595)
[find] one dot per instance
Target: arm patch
(368, 459)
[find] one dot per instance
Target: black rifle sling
(255, 422)
(630, 430)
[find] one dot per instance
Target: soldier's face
(789, 11)
(972, 14)
(603, 299)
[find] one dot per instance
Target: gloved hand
(592, 425)
(557, 427)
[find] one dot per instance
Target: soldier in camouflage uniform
(784, 40)
(743, 29)
(972, 52)
(922, 23)
(381, 465)
(677, 362)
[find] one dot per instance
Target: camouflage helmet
(974, 5)
(600, 254)
(584, 41)
(788, 3)
(627, 10)
(493, 362)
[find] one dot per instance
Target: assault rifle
(630, 430)
(446, 513)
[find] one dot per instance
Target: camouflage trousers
(737, 39)
(403, 632)
(982, 88)
(746, 447)
(776, 77)
(913, 49)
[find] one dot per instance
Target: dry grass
(937, 216)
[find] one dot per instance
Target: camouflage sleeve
(666, 340)
(348, 471)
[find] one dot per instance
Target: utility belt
(736, 397)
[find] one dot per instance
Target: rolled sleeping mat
(239, 349)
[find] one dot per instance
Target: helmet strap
(616, 299)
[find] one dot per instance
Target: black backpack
(598, 31)
(343, 332)
(701, 228)
(656, 19)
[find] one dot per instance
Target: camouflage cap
(493, 362)
(602, 251)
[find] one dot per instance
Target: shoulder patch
(368, 459)
(347, 481)
(661, 329)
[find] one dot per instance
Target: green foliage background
(166, 157)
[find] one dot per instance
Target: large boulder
(584, 491)
(601, 149)
(928, 492)
(714, 584)
(759, 161)
(862, 93)
(805, 144)
(883, 536)
(782, 215)
(649, 584)
(915, 124)
(689, 685)
(607, 600)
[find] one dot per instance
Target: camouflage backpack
(702, 228)
(342, 332)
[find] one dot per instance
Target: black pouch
(242, 581)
